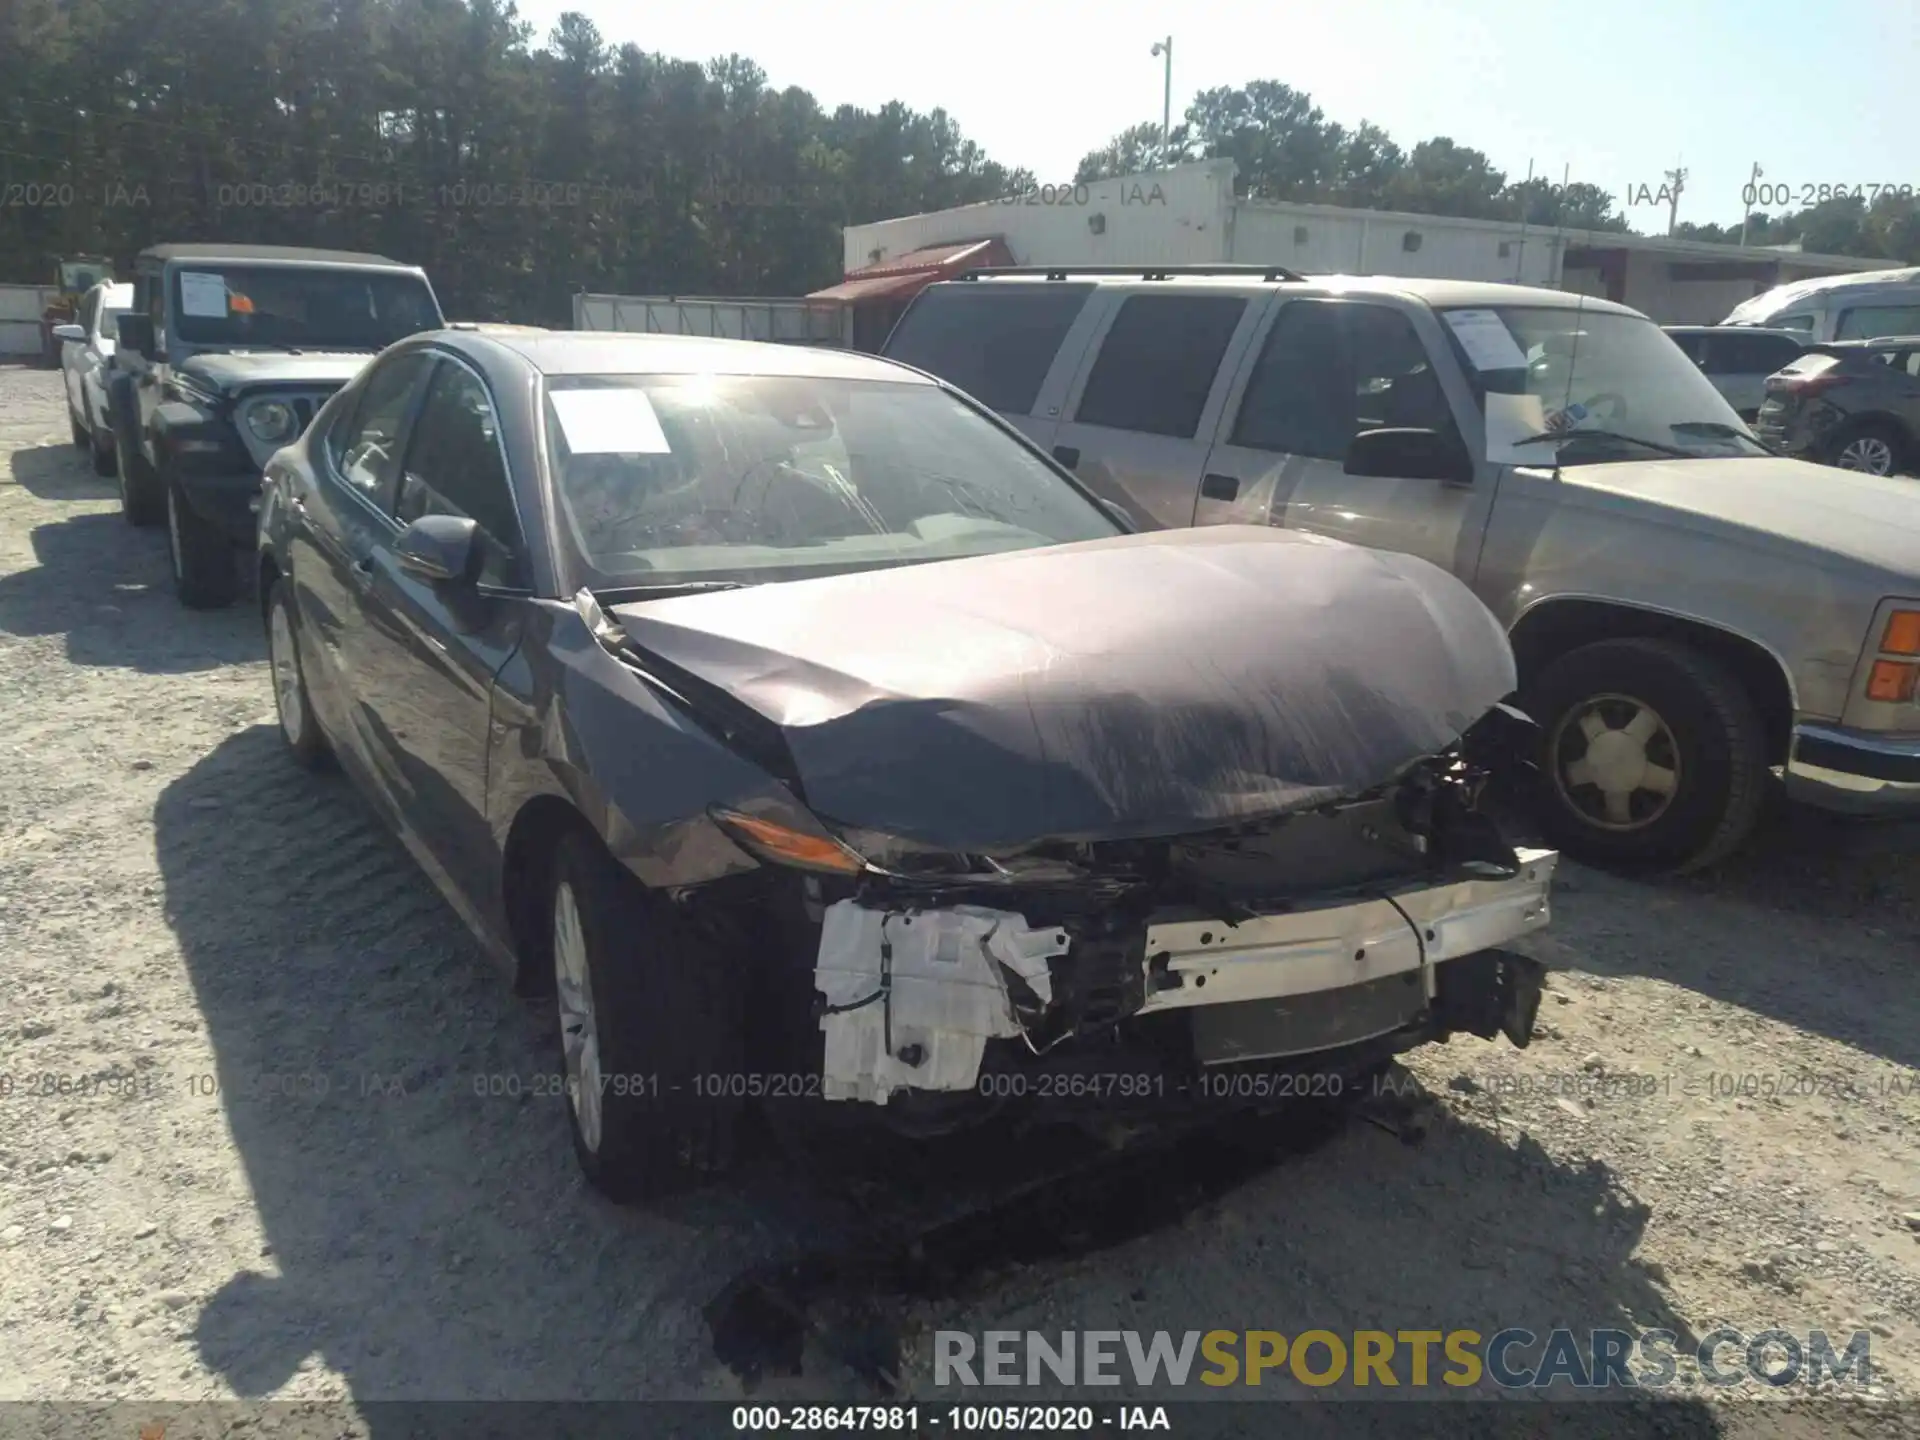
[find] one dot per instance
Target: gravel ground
(202, 938)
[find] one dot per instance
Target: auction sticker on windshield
(1486, 339)
(204, 296)
(609, 422)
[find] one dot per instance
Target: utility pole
(1676, 182)
(1165, 47)
(1747, 199)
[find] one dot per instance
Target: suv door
(440, 645)
(1014, 345)
(1143, 407)
(1324, 370)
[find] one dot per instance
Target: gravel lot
(205, 937)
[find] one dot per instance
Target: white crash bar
(1329, 948)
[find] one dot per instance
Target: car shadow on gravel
(1815, 924)
(106, 587)
(428, 1236)
(59, 472)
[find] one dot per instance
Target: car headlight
(272, 422)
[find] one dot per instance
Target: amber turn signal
(786, 846)
(1903, 633)
(1892, 681)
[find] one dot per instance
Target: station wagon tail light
(1892, 681)
(783, 845)
(1902, 636)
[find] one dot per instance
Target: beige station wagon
(1689, 611)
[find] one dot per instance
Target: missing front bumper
(912, 999)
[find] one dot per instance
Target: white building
(1187, 215)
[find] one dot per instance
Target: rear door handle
(1219, 487)
(1067, 455)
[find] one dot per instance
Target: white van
(1839, 307)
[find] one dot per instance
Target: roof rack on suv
(1141, 272)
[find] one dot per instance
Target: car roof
(1438, 293)
(576, 352)
(1782, 296)
(1781, 331)
(285, 254)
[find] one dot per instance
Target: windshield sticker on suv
(204, 296)
(609, 422)
(1486, 339)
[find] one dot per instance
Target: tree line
(516, 172)
(1285, 148)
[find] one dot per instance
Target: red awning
(906, 274)
(875, 287)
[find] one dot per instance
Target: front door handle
(1219, 487)
(1067, 455)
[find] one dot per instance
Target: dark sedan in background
(802, 730)
(1850, 403)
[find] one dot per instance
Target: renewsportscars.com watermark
(1372, 1360)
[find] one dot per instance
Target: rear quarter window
(996, 342)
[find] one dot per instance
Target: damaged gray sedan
(805, 733)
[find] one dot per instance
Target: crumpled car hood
(1146, 685)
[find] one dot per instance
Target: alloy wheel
(579, 1034)
(1866, 452)
(286, 675)
(1615, 762)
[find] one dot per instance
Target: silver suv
(1689, 611)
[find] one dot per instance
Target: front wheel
(650, 1029)
(1652, 755)
(204, 574)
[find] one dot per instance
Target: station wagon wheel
(298, 725)
(1615, 760)
(1871, 449)
(651, 1029)
(1652, 754)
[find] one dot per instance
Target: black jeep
(228, 353)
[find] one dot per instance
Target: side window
(996, 342)
(1911, 363)
(1298, 400)
(1158, 362)
(90, 311)
(365, 445)
(1394, 386)
(1693, 345)
(1866, 322)
(1793, 322)
(454, 467)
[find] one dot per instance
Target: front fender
(574, 723)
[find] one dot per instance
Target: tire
(105, 462)
(204, 573)
(1874, 447)
(665, 1008)
(143, 500)
(1702, 761)
(299, 726)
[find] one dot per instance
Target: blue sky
(1619, 91)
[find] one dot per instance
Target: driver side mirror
(74, 333)
(136, 334)
(1410, 454)
(439, 548)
